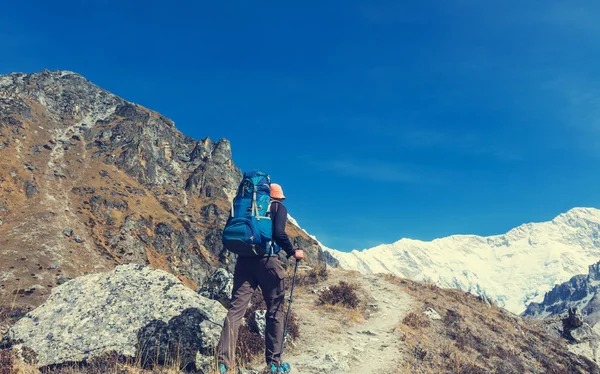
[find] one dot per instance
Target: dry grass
(474, 337)
(313, 276)
(109, 363)
(346, 316)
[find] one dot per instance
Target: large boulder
(134, 311)
(218, 287)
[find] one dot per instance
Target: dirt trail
(332, 341)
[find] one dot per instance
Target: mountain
(89, 180)
(581, 291)
(512, 269)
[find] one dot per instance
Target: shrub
(342, 293)
(7, 361)
(416, 320)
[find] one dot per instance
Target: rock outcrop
(581, 292)
(134, 311)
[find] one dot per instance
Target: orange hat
(276, 191)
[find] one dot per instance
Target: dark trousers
(249, 273)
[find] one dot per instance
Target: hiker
(267, 272)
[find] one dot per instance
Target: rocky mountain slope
(89, 180)
(512, 269)
(136, 317)
(581, 291)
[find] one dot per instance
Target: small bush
(416, 320)
(293, 329)
(9, 315)
(249, 345)
(343, 293)
(7, 361)
(419, 352)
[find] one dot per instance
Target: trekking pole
(287, 315)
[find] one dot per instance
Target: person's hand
(299, 254)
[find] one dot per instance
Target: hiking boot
(274, 369)
(269, 369)
(284, 368)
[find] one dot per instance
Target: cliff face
(581, 292)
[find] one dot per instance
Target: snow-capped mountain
(512, 269)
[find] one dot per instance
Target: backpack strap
(254, 208)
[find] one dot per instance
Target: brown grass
(473, 337)
(7, 361)
(314, 275)
(109, 363)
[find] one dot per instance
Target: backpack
(249, 229)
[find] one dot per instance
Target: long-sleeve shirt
(279, 218)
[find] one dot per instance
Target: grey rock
(484, 300)
(260, 322)
(48, 147)
(329, 259)
(77, 239)
(320, 290)
(60, 174)
(583, 333)
(213, 240)
(134, 310)
(68, 232)
(31, 188)
(336, 363)
(581, 291)
(54, 265)
(212, 213)
(3, 207)
(62, 280)
(164, 229)
(31, 167)
(432, 314)
(218, 287)
(573, 320)
(369, 332)
(82, 191)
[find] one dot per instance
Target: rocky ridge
(89, 180)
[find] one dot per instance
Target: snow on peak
(513, 269)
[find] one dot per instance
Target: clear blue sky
(387, 120)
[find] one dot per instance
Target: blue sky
(386, 119)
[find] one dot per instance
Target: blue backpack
(249, 229)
